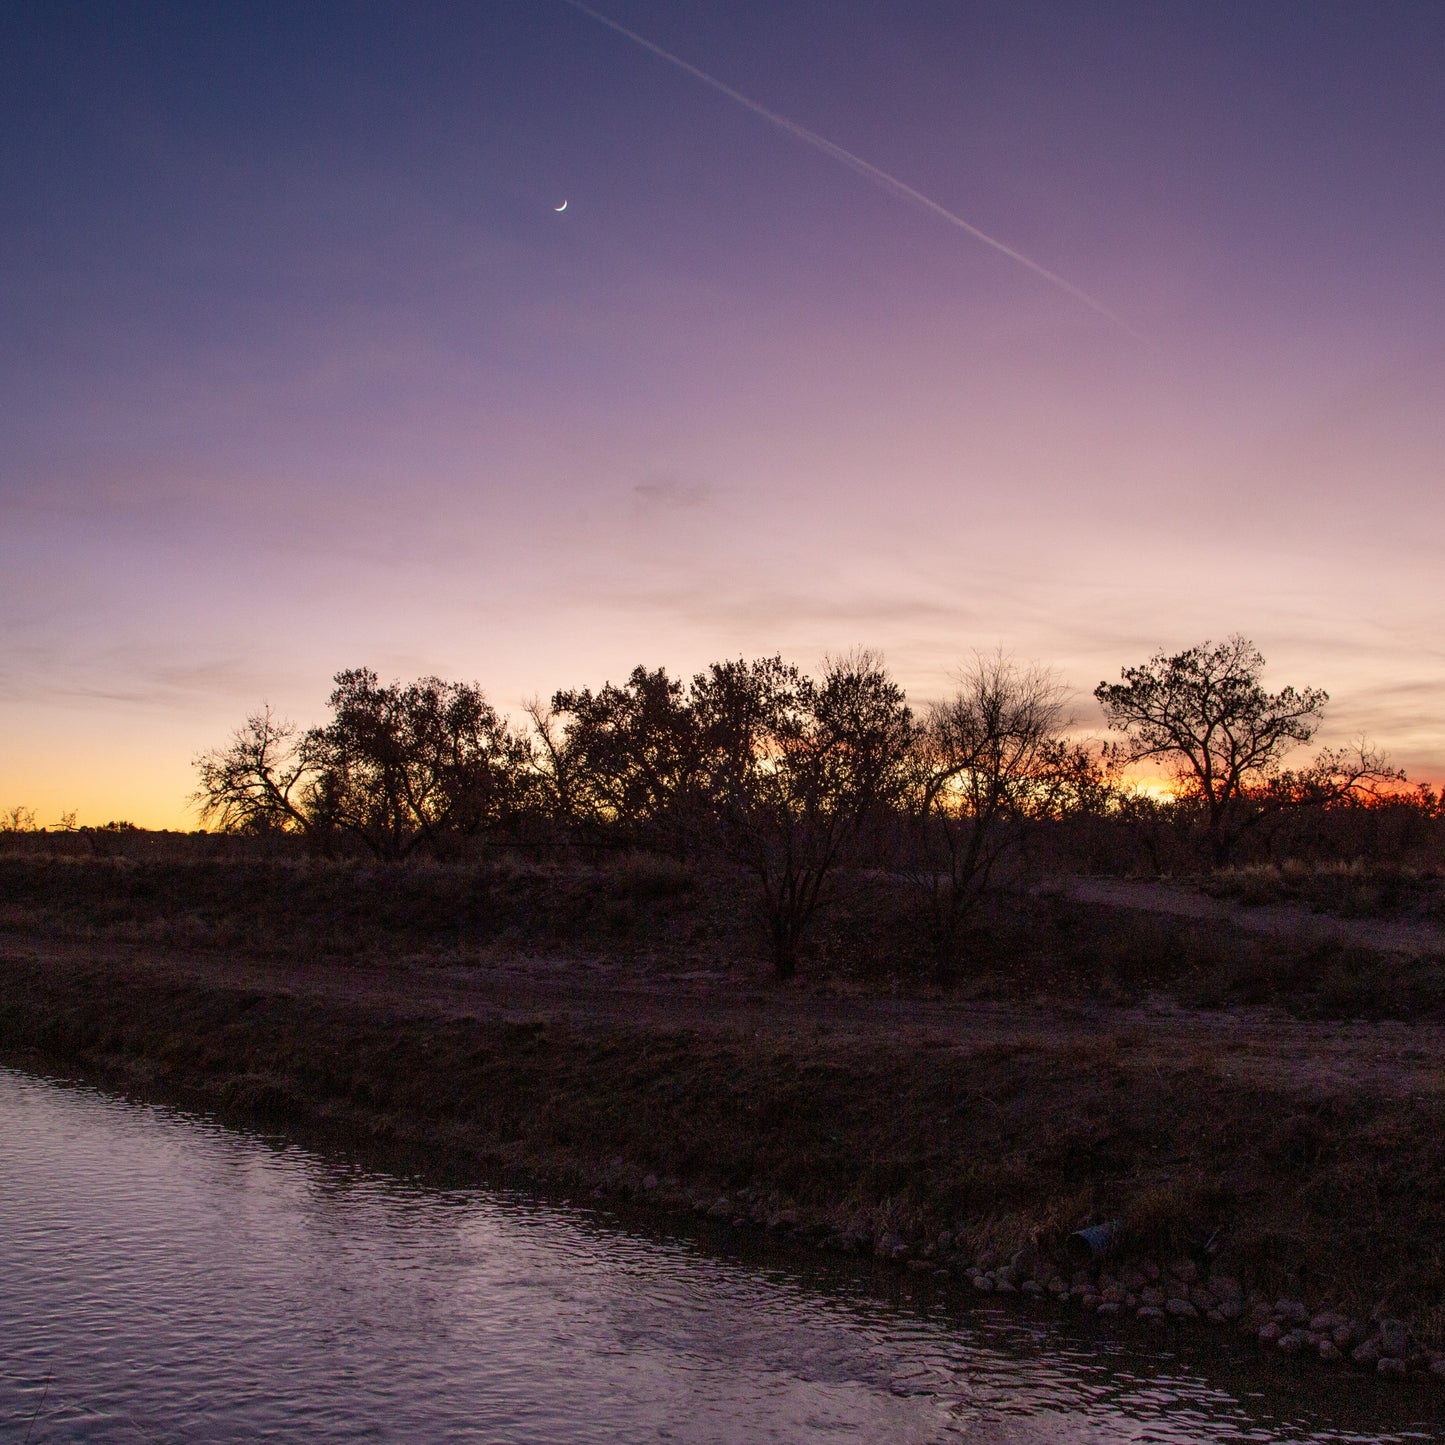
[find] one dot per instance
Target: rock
(1366, 1352)
(1330, 1352)
(1222, 1287)
(1291, 1311)
(721, 1208)
(1152, 1314)
(1229, 1310)
(1058, 1285)
(1153, 1296)
(1032, 1288)
(1201, 1299)
(1347, 1334)
(1002, 1284)
(1269, 1333)
(1291, 1342)
(1437, 1364)
(921, 1266)
(1327, 1322)
(1390, 1365)
(649, 1182)
(1181, 1309)
(1108, 1307)
(983, 1283)
(1394, 1340)
(1185, 1270)
(888, 1244)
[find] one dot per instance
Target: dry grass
(283, 904)
(1352, 889)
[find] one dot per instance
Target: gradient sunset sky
(301, 369)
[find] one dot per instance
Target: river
(166, 1279)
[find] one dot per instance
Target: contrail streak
(859, 166)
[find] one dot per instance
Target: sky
(302, 369)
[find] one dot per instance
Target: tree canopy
(1206, 711)
(398, 767)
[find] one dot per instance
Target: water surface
(166, 1279)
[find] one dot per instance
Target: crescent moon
(561, 208)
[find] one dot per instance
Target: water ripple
(163, 1279)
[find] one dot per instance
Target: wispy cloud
(670, 494)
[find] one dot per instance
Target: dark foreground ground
(1262, 1115)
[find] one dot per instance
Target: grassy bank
(1301, 1159)
(217, 895)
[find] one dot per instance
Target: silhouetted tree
(553, 765)
(627, 758)
(1205, 711)
(987, 761)
(407, 767)
(262, 781)
(797, 771)
(1356, 776)
(19, 819)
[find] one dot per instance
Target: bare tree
(797, 771)
(1353, 776)
(987, 759)
(1205, 711)
(553, 764)
(261, 781)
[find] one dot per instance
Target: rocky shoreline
(1180, 1292)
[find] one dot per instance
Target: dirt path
(1311, 1059)
(1280, 920)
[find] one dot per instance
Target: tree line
(794, 781)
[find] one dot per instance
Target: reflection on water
(165, 1279)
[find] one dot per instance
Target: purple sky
(301, 370)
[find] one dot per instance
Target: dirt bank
(1303, 1160)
